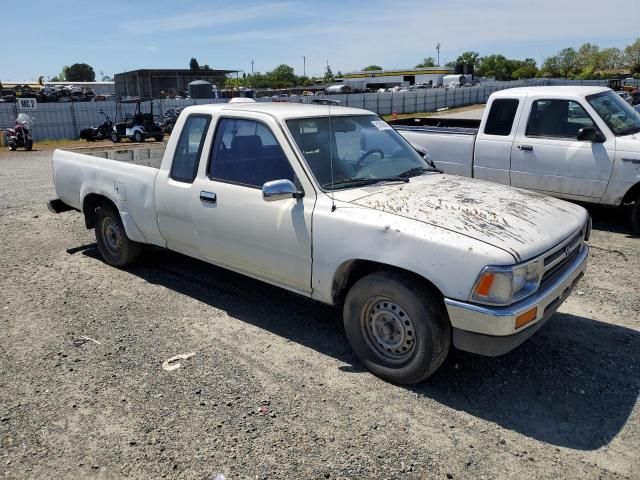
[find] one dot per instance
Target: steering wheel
(366, 154)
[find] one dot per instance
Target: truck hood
(521, 222)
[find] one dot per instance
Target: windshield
(619, 116)
(361, 148)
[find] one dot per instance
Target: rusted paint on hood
(522, 222)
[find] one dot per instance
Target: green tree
(339, 74)
(328, 75)
(193, 64)
(497, 66)
(611, 58)
(469, 57)
(282, 76)
(525, 69)
(371, 68)
(426, 63)
(80, 72)
(632, 56)
(62, 76)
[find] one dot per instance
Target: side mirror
(590, 134)
(280, 190)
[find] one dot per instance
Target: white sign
(27, 103)
(381, 125)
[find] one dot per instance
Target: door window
(246, 152)
(501, 116)
(187, 155)
(557, 119)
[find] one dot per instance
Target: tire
(29, 145)
(138, 136)
(115, 247)
(159, 138)
(12, 147)
(397, 326)
(115, 138)
(635, 217)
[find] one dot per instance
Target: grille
(556, 262)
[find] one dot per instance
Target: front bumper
(491, 330)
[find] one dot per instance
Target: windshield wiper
(412, 172)
(365, 181)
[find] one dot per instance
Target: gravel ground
(273, 390)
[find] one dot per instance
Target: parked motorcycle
(20, 135)
(100, 132)
(170, 118)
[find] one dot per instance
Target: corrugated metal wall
(66, 120)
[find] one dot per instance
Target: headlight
(506, 285)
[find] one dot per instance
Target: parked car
(576, 143)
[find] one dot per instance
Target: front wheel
(115, 138)
(114, 245)
(28, 145)
(397, 326)
(635, 217)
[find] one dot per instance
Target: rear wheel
(114, 245)
(159, 138)
(397, 326)
(138, 136)
(115, 138)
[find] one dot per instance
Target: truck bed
(124, 175)
(438, 122)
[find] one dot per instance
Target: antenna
(333, 202)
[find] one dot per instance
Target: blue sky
(126, 35)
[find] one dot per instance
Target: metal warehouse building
(392, 78)
(155, 83)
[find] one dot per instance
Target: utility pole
(438, 52)
(304, 66)
(251, 67)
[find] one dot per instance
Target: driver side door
(235, 226)
(546, 155)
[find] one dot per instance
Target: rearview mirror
(590, 134)
(280, 190)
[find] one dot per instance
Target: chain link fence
(58, 121)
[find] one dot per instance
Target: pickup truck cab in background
(333, 204)
(576, 143)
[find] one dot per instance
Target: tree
(193, 64)
(525, 69)
(611, 58)
(80, 72)
(339, 74)
(328, 75)
(426, 63)
(282, 76)
(470, 58)
(632, 56)
(497, 66)
(371, 68)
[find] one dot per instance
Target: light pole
(251, 67)
(304, 66)
(438, 52)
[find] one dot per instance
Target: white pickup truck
(577, 143)
(333, 204)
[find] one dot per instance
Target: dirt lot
(564, 405)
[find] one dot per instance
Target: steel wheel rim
(388, 330)
(111, 235)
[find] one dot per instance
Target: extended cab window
(246, 152)
(557, 119)
(501, 116)
(186, 158)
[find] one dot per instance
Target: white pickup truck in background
(576, 143)
(335, 205)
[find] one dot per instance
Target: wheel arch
(350, 271)
(632, 195)
(93, 201)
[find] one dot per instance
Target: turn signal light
(484, 285)
(526, 317)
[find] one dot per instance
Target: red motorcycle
(20, 135)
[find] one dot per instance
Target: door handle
(525, 148)
(208, 197)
